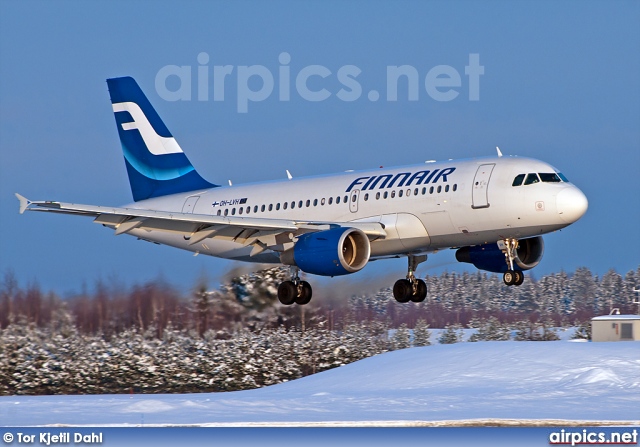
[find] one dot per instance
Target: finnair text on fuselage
(404, 179)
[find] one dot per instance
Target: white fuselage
(423, 208)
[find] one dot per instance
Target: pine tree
(452, 334)
(421, 334)
(489, 330)
(583, 332)
(401, 338)
(611, 291)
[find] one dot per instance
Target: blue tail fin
(155, 162)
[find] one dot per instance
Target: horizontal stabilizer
(24, 202)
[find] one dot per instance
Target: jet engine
(490, 257)
(334, 252)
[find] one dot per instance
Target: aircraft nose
(571, 204)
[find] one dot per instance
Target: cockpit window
(531, 179)
(549, 177)
(518, 180)
(561, 175)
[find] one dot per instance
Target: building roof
(616, 317)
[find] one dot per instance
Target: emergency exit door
(353, 201)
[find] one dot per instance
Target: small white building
(615, 328)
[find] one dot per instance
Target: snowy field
(505, 382)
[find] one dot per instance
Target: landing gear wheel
(421, 292)
(509, 277)
(304, 293)
(287, 293)
(519, 278)
(402, 290)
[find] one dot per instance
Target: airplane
(492, 210)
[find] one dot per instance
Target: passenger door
(480, 190)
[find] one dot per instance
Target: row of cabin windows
(532, 177)
(330, 201)
(416, 192)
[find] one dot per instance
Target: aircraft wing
(261, 233)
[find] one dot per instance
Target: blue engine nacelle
(334, 252)
(491, 258)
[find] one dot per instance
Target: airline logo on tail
(155, 162)
(156, 144)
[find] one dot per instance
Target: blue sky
(560, 84)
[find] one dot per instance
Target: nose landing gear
(294, 290)
(511, 277)
(411, 288)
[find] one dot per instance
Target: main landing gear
(295, 290)
(411, 288)
(511, 277)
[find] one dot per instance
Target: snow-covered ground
(464, 382)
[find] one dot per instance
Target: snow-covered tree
(583, 332)
(401, 338)
(527, 330)
(452, 334)
(421, 334)
(489, 330)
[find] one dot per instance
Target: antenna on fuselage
(289, 176)
(499, 153)
(230, 184)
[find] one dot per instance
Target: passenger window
(285, 205)
(393, 194)
(277, 206)
(518, 180)
(240, 210)
(233, 212)
(346, 199)
(446, 188)
(400, 193)
(308, 203)
(315, 202)
(219, 212)
(255, 209)
(431, 190)
(439, 189)
(300, 204)
(330, 200)
(531, 179)
(293, 205)
(337, 199)
(455, 187)
(248, 209)
(386, 194)
(377, 196)
(270, 207)
(415, 192)
(549, 177)
(424, 191)
(322, 201)
(366, 197)
(226, 212)
(262, 208)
